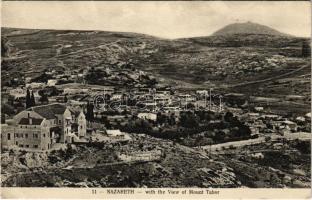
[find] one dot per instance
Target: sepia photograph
(133, 94)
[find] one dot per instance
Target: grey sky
(163, 19)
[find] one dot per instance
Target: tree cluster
(30, 99)
(193, 129)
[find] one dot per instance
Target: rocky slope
(95, 166)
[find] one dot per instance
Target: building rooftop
(75, 112)
(49, 111)
(30, 121)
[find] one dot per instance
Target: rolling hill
(248, 28)
(235, 54)
(30, 52)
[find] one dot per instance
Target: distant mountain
(248, 28)
(248, 63)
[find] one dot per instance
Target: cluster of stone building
(40, 127)
(260, 122)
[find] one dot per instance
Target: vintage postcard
(156, 99)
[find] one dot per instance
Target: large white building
(40, 127)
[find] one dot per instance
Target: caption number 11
(93, 191)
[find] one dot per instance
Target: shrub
(267, 138)
(11, 152)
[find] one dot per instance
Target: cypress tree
(91, 112)
(28, 99)
(88, 112)
(32, 99)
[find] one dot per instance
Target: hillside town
(110, 109)
(38, 115)
(45, 117)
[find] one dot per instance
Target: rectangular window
(43, 135)
(26, 135)
(60, 121)
(16, 143)
(22, 135)
(27, 146)
(9, 136)
(35, 146)
(21, 145)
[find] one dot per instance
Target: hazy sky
(163, 19)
